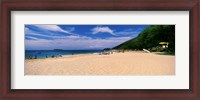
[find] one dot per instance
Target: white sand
(128, 63)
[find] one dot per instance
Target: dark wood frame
(98, 5)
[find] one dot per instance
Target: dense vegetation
(151, 37)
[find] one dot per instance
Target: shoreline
(98, 53)
(63, 56)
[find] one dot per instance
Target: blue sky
(78, 37)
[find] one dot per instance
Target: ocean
(39, 54)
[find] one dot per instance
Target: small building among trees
(164, 44)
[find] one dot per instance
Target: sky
(78, 37)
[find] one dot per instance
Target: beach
(127, 63)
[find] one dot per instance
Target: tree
(150, 37)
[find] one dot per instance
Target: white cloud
(72, 37)
(129, 32)
(53, 28)
(70, 29)
(34, 34)
(29, 32)
(100, 29)
(31, 37)
(71, 43)
(26, 29)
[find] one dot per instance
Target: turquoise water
(48, 53)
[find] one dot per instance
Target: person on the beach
(53, 56)
(35, 57)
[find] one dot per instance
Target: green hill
(151, 37)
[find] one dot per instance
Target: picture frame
(98, 5)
